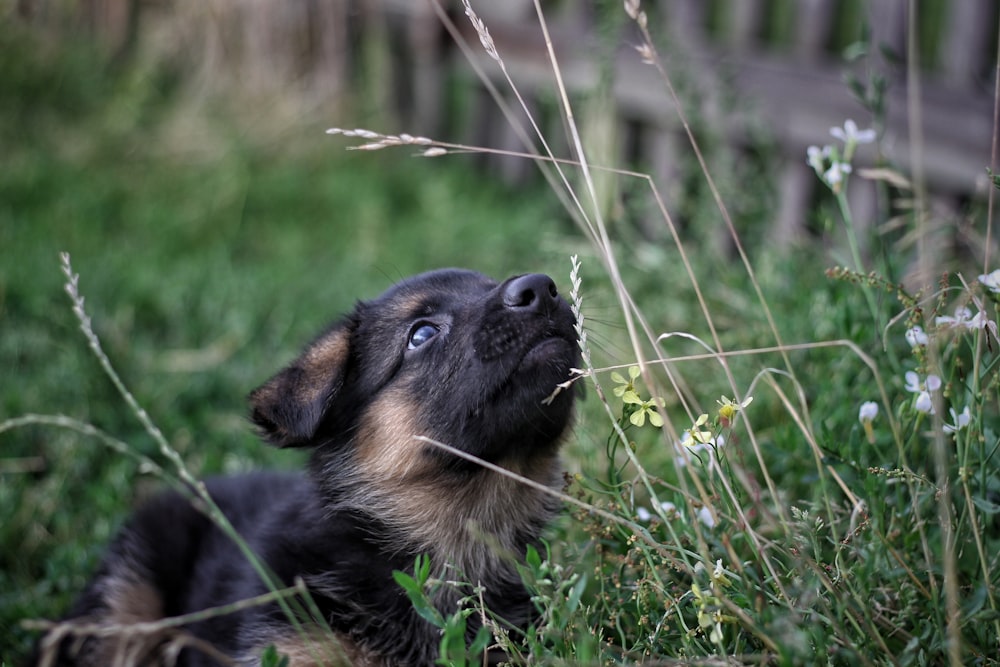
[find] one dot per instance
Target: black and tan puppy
(450, 355)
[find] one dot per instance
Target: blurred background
(176, 149)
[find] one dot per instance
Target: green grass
(208, 255)
(206, 261)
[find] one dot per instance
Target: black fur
(450, 355)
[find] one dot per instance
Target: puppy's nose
(534, 291)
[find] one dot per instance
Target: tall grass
(841, 509)
(799, 474)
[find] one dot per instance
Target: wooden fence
(795, 88)
(749, 64)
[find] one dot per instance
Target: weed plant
(834, 507)
(798, 473)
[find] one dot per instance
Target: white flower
(991, 281)
(850, 134)
(979, 321)
(962, 316)
(924, 403)
(868, 411)
(706, 517)
(913, 383)
(816, 157)
(689, 443)
(965, 319)
(960, 419)
(669, 510)
(916, 336)
(835, 174)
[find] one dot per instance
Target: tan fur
(132, 601)
(386, 447)
(468, 524)
(318, 363)
(315, 648)
(129, 600)
(407, 306)
(329, 352)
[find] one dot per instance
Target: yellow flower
(708, 616)
(623, 384)
(695, 436)
(719, 574)
(729, 408)
(646, 408)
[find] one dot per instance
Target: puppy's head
(449, 354)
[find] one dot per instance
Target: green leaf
(422, 568)
(271, 658)
(532, 558)
(986, 505)
(993, 177)
(975, 602)
(408, 583)
(575, 593)
(480, 642)
(415, 592)
(454, 652)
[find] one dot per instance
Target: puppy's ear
(289, 407)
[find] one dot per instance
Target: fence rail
(798, 92)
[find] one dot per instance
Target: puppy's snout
(534, 292)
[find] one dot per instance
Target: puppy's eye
(421, 334)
